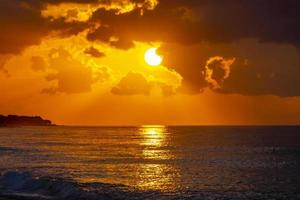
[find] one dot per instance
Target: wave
(19, 185)
(7, 150)
(23, 185)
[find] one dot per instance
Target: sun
(152, 58)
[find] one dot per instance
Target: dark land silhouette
(15, 120)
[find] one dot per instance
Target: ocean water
(150, 162)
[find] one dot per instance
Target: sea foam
(17, 184)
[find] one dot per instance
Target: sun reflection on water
(140, 157)
(154, 136)
(157, 173)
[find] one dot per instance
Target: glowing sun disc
(152, 58)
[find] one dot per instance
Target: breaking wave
(18, 185)
(24, 185)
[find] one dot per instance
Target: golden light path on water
(156, 175)
(138, 157)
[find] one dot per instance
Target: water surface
(157, 161)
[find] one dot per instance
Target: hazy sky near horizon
(81, 62)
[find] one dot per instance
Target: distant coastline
(15, 120)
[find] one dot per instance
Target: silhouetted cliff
(14, 120)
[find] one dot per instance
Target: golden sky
(82, 62)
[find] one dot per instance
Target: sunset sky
(211, 62)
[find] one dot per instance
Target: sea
(150, 162)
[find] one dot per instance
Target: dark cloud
(136, 84)
(267, 70)
(142, 3)
(259, 69)
(179, 21)
(132, 84)
(189, 62)
(22, 25)
(217, 70)
(186, 26)
(114, 37)
(92, 51)
(194, 21)
(70, 76)
(186, 22)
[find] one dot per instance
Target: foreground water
(150, 162)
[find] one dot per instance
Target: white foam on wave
(24, 184)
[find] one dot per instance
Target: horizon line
(183, 125)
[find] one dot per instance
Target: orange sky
(84, 66)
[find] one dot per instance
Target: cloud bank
(184, 27)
